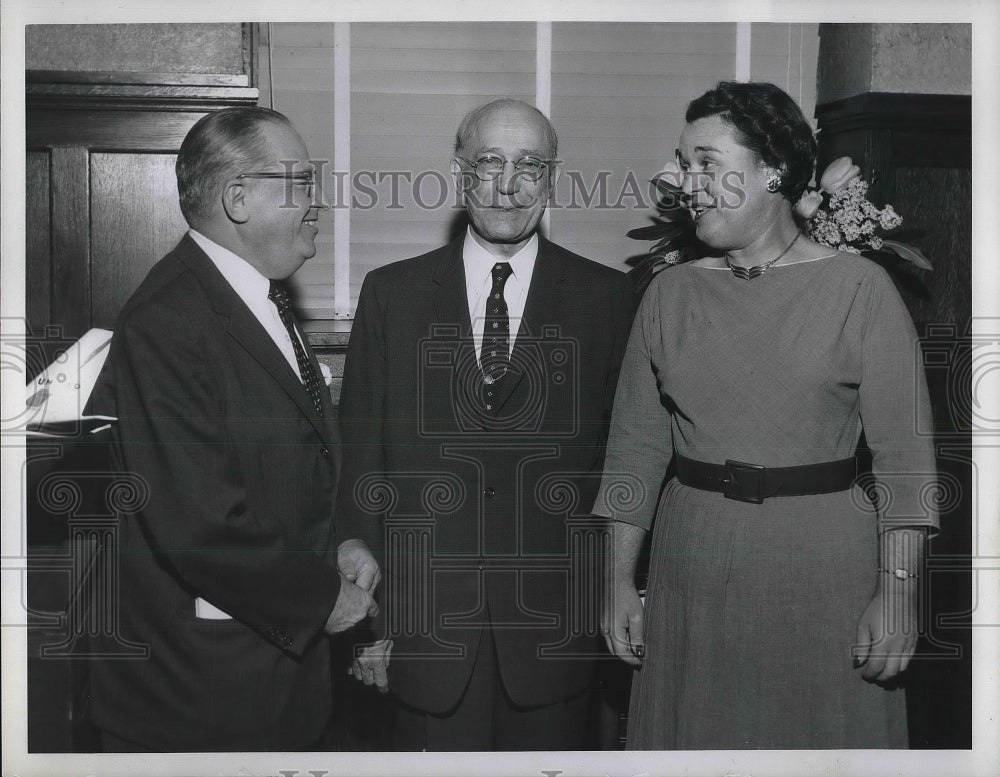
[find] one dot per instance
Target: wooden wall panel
(70, 241)
(140, 48)
(38, 241)
(135, 220)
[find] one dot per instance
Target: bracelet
(899, 573)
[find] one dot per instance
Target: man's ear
(234, 201)
(465, 180)
(554, 170)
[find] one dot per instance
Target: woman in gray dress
(782, 603)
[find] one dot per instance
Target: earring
(773, 182)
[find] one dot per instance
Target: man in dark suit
(477, 391)
(229, 573)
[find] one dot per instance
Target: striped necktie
(495, 355)
(278, 294)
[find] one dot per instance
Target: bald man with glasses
(477, 390)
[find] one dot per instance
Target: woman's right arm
(638, 453)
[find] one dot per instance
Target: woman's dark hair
(769, 123)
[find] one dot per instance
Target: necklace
(746, 273)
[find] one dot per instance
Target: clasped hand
(371, 665)
(359, 576)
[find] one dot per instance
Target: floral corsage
(837, 214)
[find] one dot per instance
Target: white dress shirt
(252, 288)
(479, 265)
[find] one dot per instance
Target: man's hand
(887, 632)
(354, 604)
(622, 625)
(356, 563)
(371, 665)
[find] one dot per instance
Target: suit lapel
(451, 302)
(451, 311)
(244, 327)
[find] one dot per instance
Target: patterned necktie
(495, 356)
(279, 296)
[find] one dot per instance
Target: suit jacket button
(325, 451)
(489, 492)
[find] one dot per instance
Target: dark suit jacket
(241, 476)
(481, 516)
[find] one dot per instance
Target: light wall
(378, 105)
(910, 58)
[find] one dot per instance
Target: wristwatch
(899, 573)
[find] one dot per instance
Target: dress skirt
(751, 615)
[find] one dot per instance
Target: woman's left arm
(895, 412)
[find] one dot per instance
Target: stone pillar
(897, 98)
(907, 58)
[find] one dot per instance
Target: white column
(741, 71)
(342, 167)
(543, 85)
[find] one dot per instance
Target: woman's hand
(887, 631)
(622, 624)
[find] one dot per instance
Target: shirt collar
(245, 279)
(479, 262)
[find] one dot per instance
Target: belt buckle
(744, 482)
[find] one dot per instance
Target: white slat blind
(302, 87)
(617, 93)
(618, 97)
(411, 84)
(786, 55)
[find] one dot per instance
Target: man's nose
(687, 183)
(508, 182)
(318, 199)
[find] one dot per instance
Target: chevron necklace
(746, 273)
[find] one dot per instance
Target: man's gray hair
(220, 146)
(474, 117)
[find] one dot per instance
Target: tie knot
(501, 272)
(278, 294)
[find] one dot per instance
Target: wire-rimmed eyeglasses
(306, 178)
(490, 167)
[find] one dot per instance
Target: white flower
(838, 174)
(889, 219)
(808, 204)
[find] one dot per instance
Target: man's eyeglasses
(304, 178)
(491, 167)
